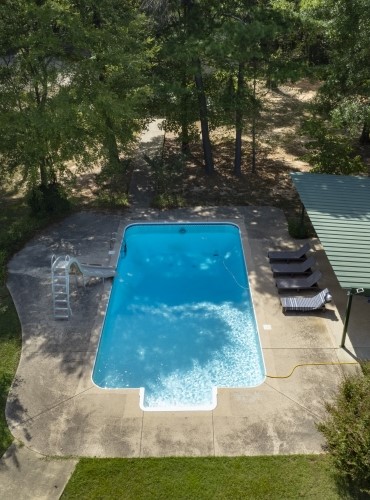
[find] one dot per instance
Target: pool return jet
(60, 269)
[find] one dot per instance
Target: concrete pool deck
(55, 409)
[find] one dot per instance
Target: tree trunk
(203, 115)
(239, 121)
(254, 112)
(365, 134)
(111, 143)
(185, 148)
(43, 173)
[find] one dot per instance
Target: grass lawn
(278, 477)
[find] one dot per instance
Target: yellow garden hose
(313, 364)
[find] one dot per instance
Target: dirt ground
(279, 151)
(280, 148)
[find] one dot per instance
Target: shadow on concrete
(57, 356)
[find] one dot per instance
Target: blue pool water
(180, 320)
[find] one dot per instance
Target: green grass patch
(204, 478)
(10, 348)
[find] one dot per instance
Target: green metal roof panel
(339, 209)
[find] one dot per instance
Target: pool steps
(60, 268)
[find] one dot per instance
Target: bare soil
(280, 148)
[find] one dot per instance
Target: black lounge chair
(299, 283)
(294, 267)
(306, 303)
(289, 255)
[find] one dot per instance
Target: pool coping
(62, 414)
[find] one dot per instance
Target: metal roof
(339, 209)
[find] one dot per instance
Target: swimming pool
(180, 320)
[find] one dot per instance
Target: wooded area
(79, 80)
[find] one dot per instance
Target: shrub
(110, 200)
(3, 257)
(297, 229)
(113, 182)
(164, 201)
(329, 152)
(50, 199)
(347, 430)
(167, 172)
(13, 237)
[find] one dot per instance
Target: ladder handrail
(87, 270)
(61, 304)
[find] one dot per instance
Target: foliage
(39, 126)
(167, 171)
(166, 201)
(112, 84)
(181, 83)
(346, 85)
(298, 229)
(273, 477)
(113, 182)
(351, 114)
(44, 200)
(347, 429)
(108, 199)
(16, 227)
(3, 259)
(329, 151)
(209, 51)
(73, 86)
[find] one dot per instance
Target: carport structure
(339, 209)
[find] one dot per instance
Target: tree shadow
(347, 490)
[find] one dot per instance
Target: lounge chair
(289, 255)
(306, 303)
(294, 267)
(299, 283)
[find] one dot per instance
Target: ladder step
(60, 288)
(61, 265)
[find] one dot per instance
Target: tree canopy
(79, 79)
(74, 80)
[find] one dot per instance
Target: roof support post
(302, 215)
(348, 311)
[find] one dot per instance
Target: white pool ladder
(60, 287)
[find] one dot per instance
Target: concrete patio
(55, 409)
